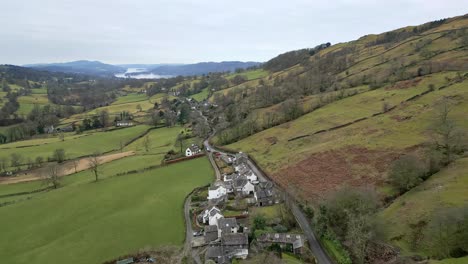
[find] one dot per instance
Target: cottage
(211, 233)
(227, 226)
(192, 150)
(230, 177)
(211, 215)
(216, 192)
(231, 246)
(289, 242)
(243, 187)
(49, 129)
(123, 123)
(264, 194)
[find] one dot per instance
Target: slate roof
(240, 182)
(296, 240)
(237, 239)
(225, 224)
(211, 233)
(264, 190)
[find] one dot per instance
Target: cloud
(179, 31)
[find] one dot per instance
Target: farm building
(192, 150)
(289, 242)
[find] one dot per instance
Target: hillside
(341, 115)
(80, 67)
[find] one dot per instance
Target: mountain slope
(201, 68)
(82, 67)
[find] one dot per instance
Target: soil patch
(323, 172)
(405, 84)
(65, 168)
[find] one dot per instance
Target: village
(241, 214)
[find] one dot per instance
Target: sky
(188, 31)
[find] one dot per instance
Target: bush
(407, 172)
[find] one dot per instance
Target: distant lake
(130, 73)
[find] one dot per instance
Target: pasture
(91, 222)
(74, 145)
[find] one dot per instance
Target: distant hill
(102, 69)
(81, 67)
(202, 67)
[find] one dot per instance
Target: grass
(130, 98)
(74, 146)
(201, 95)
(291, 259)
(462, 260)
(161, 141)
(250, 74)
(333, 251)
(445, 189)
(94, 222)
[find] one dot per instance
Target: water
(144, 74)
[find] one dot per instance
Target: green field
(161, 141)
(250, 74)
(76, 146)
(446, 189)
(130, 98)
(93, 222)
(201, 95)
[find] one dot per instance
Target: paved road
(188, 229)
(319, 253)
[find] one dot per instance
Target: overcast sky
(186, 31)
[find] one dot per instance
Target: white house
(243, 186)
(216, 192)
(192, 150)
(251, 176)
(212, 215)
(124, 123)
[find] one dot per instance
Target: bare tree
(52, 178)
(180, 141)
(147, 143)
(16, 160)
(94, 165)
(3, 164)
(446, 134)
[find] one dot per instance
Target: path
(66, 168)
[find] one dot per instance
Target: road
(315, 246)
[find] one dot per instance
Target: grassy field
(75, 146)
(130, 98)
(162, 140)
(250, 74)
(446, 189)
(92, 222)
(201, 95)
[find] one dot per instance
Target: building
(288, 242)
(231, 246)
(211, 233)
(211, 216)
(243, 187)
(124, 123)
(216, 192)
(192, 150)
(227, 226)
(264, 194)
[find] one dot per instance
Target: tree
(447, 136)
(16, 160)
(259, 222)
(147, 143)
(39, 161)
(406, 172)
(52, 178)
(94, 164)
(59, 155)
(104, 118)
(5, 86)
(3, 164)
(138, 107)
(180, 140)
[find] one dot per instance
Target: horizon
(150, 32)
